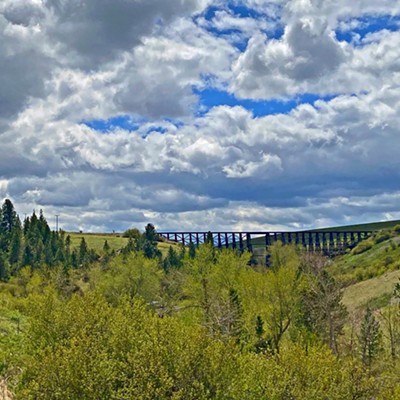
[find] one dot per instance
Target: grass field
(96, 241)
(375, 292)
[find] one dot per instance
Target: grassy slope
(372, 226)
(374, 292)
(96, 241)
(371, 275)
(380, 258)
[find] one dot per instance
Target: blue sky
(242, 114)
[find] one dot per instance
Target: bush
(363, 246)
(381, 236)
(132, 233)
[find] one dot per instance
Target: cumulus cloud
(158, 78)
(307, 53)
(325, 163)
(94, 32)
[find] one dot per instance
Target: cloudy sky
(200, 114)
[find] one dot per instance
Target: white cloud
(329, 163)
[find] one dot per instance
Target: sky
(201, 115)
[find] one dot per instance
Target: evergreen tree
(15, 246)
(148, 244)
(106, 247)
(27, 224)
(370, 338)
(192, 250)
(3, 267)
(236, 323)
(83, 252)
(74, 259)
(150, 233)
(68, 249)
(131, 246)
(210, 238)
(9, 222)
(9, 217)
(172, 260)
(28, 256)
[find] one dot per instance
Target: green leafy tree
(283, 292)
(133, 233)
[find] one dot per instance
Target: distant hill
(369, 226)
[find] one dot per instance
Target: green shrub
(363, 246)
(381, 236)
(388, 260)
(132, 233)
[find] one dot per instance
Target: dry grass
(360, 294)
(5, 394)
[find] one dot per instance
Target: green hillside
(375, 292)
(96, 241)
(369, 226)
(370, 271)
(372, 257)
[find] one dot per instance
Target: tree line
(196, 322)
(32, 243)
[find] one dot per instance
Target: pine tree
(28, 256)
(370, 338)
(3, 267)
(68, 249)
(192, 250)
(210, 238)
(148, 244)
(15, 246)
(9, 217)
(261, 344)
(74, 259)
(83, 252)
(106, 247)
(236, 323)
(172, 260)
(150, 233)
(9, 221)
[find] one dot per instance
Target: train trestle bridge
(326, 242)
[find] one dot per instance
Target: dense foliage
(198, 323)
